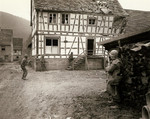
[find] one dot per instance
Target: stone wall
(62, 64)
(52, 64)
(5, 55)
(95, 63)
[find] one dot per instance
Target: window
(48, 42)
(17, 52)
(52, 18)
(52, 46)
(65, 19)
(55, 42)
(92, 21)
(3, 48)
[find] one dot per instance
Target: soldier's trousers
(114, 92)
(25, 72)
(43, 67)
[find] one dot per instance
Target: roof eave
(67, 11)
(124, 39)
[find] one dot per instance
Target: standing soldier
(114, 76)
(24, 62)
(42, 61)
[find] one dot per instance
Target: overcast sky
(21, 8)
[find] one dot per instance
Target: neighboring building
(61, 28)
(6, 45)
(17, 48)
(137, 21)
(137, 30)
(10, 48)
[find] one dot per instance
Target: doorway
(90, 46)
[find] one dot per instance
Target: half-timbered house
(64, 28)
(17, 48)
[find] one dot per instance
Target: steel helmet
(113, 53)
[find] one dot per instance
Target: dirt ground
(57, 94)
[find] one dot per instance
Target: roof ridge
(136, 10)
(90, 6)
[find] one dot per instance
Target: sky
(21, 8)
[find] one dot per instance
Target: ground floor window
(17, 52)
(3, 48)
(52, 46)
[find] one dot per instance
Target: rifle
(108, 64)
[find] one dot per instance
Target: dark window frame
(91, 20)
(57, 44)
(65, 16)
(3, 48)
(51, 16)
(51, 42)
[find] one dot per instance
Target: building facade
(6, 45)
(61, 28)
(10, 48)
(17, 48)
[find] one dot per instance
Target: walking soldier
(42, 61)
(24, 62)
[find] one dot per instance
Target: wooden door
(90, 46)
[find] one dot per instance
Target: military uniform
(114, 79)
(23, 67)
(42, 61)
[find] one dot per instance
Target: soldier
(114, 76)
(24, 62)
(42, 61)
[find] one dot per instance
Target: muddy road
(57, 95)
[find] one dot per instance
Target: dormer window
(92, 21)
(52, 18)
(65, 19)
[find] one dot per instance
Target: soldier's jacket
(42, 60)
(114, 72)
(24, 62)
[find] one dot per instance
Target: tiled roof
(137, 21)
(5, 36)
(83, 6)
